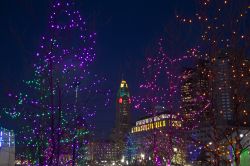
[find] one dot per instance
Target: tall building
(242, 91)
(122, 127)
(194, 90)
(222, 86)
(231, 86)
(123, 105)
(7, 147)
(187, 90)
(195, 100)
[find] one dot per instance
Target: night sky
(125, 30)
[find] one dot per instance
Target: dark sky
(125, 29)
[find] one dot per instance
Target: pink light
(120, 100)
(169, 164)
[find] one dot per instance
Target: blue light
(1, 138)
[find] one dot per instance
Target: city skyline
(125, 83)
(19, 29)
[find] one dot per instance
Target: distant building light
(142, 156)
(123, 159)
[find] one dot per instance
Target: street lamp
(142, 156)
(123, 159)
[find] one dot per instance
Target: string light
(56, 115)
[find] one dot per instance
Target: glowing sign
(156, 118)
(158, 124)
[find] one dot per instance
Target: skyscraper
(194, 90)
(187, 91)
(223, 91)
(231, 86)
(123, 104)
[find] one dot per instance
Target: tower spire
(123, 103)
(122, 76)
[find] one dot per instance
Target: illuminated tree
(224, 33)
(131, 148)
(161, 88)
(59, 103)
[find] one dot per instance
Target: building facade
(7, 147)
(195, 94)
(222, 86)
(153, 135)
(123, 106)
(231, 79)
(103, 152)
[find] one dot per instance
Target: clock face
(120, 100)
(124, 99)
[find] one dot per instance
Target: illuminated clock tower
(123, 104)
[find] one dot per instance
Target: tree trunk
(74, 152)
(59, 124)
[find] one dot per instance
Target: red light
(120, 100)
(129, 101)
